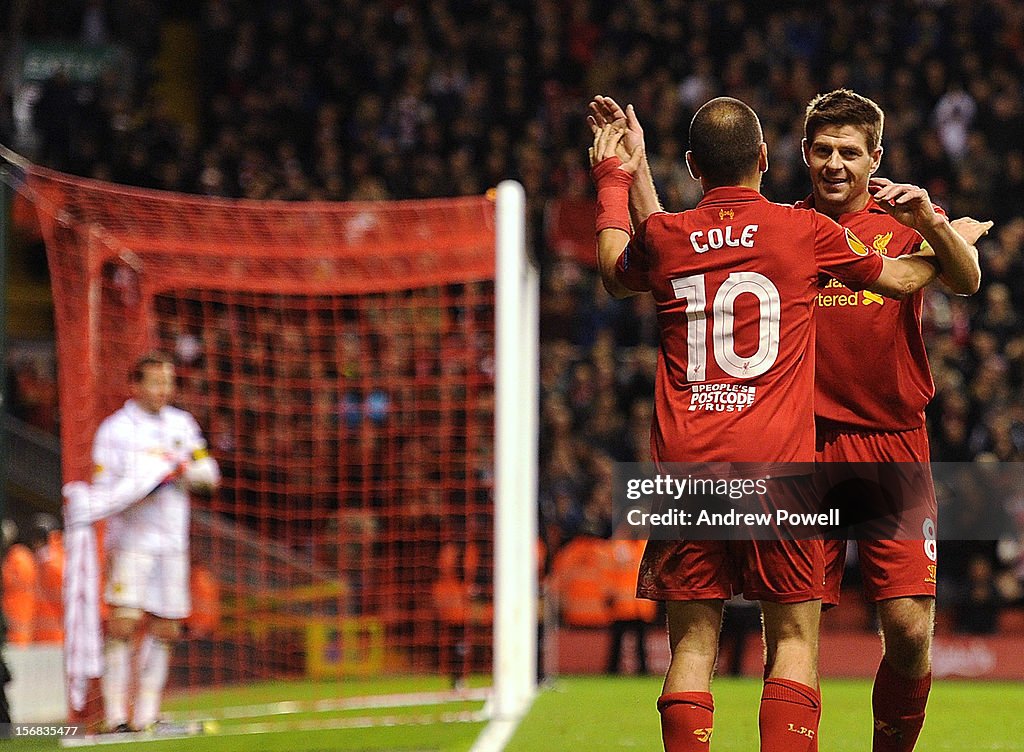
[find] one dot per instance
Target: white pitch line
(269, 727)
(368, 702)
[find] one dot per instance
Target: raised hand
(609, 142)
(606, 111)
(643, 197)
(908, 204)
(971, 229)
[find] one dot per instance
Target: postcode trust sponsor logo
(722, 398)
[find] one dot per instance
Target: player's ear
(692, 167)
(805, 151)
(762, 158)
(876, 160)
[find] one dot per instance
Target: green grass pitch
(599, 713)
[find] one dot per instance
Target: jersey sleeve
(107, 453)
(841, 254)
(194, 436)
(633, 266)
(197, 446)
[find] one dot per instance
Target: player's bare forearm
(904, 275)
(614, 179)
(643, 196)
(610, 244)
(957, 258)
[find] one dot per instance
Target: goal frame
(516, 395)
(515, 573)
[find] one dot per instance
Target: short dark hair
(725, 141)
(154, 358)
(844, 107)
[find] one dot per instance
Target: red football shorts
(774, 570)
(895, 566)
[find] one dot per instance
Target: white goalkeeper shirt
(159, 522)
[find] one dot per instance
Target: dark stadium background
(390, 100)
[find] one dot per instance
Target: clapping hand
(608, 142)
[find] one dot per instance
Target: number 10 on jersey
(694, 290)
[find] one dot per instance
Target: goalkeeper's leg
(169, 595)
(117, 671)
(154, 658)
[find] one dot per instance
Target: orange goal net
(341, 361)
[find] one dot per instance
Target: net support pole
(515, 483)
(5, 236)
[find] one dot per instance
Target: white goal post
(515, 575)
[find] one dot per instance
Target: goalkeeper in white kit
(147, 537)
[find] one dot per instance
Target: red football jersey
(872, 366)
(735, 282)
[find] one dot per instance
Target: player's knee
(165, 629)
(908, 639)
(123, 622)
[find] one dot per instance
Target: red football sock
(817, 725)
(898, 704)
(687, 719)
(789, 716)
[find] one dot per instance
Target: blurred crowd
(350, 100)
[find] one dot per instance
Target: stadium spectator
(21, 582)
(577, 581)
(206, 602)
(33, 395)
(48, 549)
(147, 587)
(979, 602)
(629, 614)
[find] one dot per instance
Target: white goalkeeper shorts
(155, 583)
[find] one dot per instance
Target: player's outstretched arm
(904, 275)
(613, 178)
(971, 230)
(643, 197)
(911, 206)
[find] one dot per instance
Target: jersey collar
(135, 409)
(729, 194)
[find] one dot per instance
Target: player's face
(156, 388)
(840, 164)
